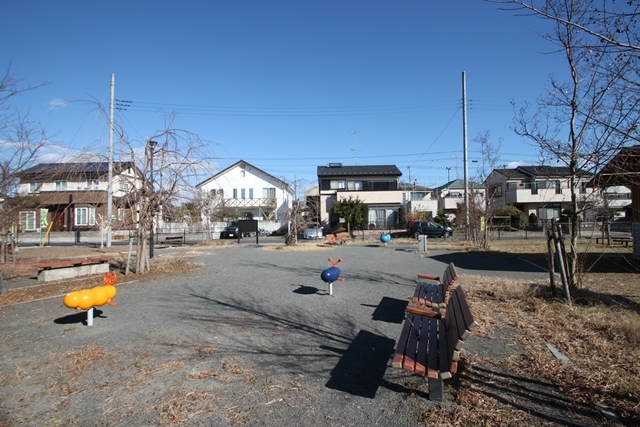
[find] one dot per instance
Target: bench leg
(435, 389)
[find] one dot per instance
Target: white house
(419, 199)
(542, 190)
(451, 195)
(245, 191)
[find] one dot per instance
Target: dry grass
(166, 265)
(600, 339)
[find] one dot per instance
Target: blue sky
(286, 85)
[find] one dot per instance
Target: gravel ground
(251, 338)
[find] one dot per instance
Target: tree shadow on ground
(540, 399)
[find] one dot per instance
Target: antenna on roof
(355, 143)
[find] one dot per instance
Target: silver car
(313, 230)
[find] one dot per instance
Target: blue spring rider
(385, 238)
(331, 274)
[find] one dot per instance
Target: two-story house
(419, 200)
(74, 196)
(451, 195)
(542, 190)
(245, 191)
(376, 186)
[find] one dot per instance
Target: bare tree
(490, 150)
(179, 160)
(21, 139)
(586, 119)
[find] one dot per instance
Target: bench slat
(425, 330)
(409, 362)
(398, 358)
(433, 351)
(444, 355)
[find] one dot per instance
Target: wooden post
(551, 261)
(557, 237)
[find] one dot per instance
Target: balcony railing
(270, 202)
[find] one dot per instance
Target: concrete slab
(74, 271)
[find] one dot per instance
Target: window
(558, 187)
(61, 185)
(338, 184)
(242, 173)
(85, 216)
(251, 193)
(242, 193)
(28, 221)
(221, 193)
(512, 186)
(354, 185)
(34, 187)
(235, 193)
(92, 184)
(123, 186)
(269, 193)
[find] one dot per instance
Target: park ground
(245, 346)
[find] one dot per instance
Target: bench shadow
(79, 317)
(390, 310)
(361, 368)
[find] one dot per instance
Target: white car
(313, 231)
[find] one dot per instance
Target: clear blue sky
(286, 85)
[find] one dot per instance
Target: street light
(150, 146)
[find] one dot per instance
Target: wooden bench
(334, 239)
(177, 240)
(430, 342)
(57, 270)
(331, 239)
(435, 295)
(622, 240)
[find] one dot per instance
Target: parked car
(230, 231)
(427, 228)
(313, 230)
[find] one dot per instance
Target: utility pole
(466, 166)
(110, 179)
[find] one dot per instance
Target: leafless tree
(179, 161)
(490, 150)
(21, 139)
(585, 119)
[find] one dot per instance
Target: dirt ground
(233, 353)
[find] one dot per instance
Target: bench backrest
(458, 324)
(448, 280)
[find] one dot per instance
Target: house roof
(370, 170)
(522, 172)
(283, 184)
(408, 186)
(458, 184)
(623, 169)
(84, 168)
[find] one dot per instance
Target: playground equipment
(87, 299)
(385, 238)
(331, 274)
